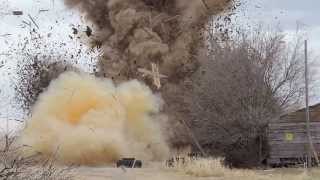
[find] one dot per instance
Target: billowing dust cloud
(85, 120)
(132, 34)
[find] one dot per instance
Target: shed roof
(300, 116)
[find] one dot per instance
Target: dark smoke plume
(133, 34)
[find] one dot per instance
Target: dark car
(129, 163)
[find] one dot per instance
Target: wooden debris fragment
(17, 13)
(205, 4)
(74, 31)
(5, 35)
(33, 21)
(154, 74)
(5, 54)
(88, 31)
(156, 77)
(43, 10)
(27, 23)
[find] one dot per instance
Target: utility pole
(194, 139)
(310, 148)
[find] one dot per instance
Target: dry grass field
(193, 170)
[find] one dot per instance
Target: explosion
(87, 120)
(138, 34)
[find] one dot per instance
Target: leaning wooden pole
(311, 149)
(194, 139)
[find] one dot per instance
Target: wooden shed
(287, 137)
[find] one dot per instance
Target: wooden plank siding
(287, 137)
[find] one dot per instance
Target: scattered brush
(201, 167)
(15, 167)
(210, 167)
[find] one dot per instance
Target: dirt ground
(151, 171)
(108, 173)
(156, 172)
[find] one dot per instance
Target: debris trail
(85, 120)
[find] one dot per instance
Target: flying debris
(88, 31)
(154, 74)
(43, 10)
(17, 13)
(74, 31)
(5, 35)
(34, 22)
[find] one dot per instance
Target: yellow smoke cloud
(85, 120)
